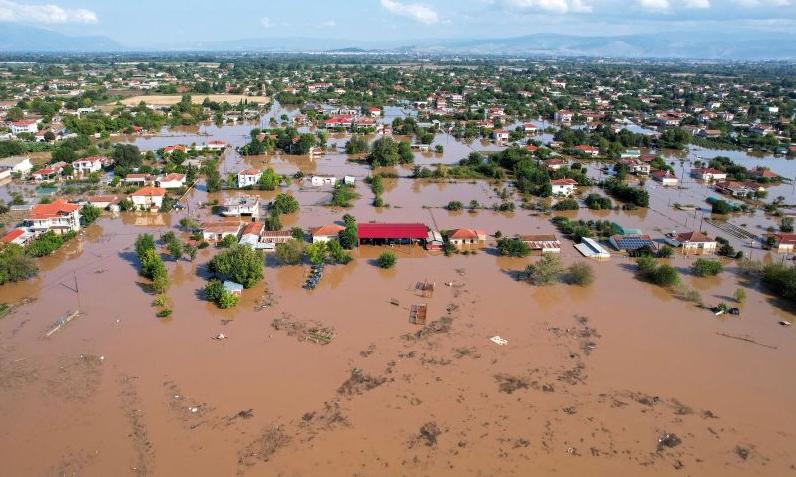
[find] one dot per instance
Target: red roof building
(386, 232)
(56, 208)
(18, 236)
(58, 216)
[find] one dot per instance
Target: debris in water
(303, 331)
(785, 323)
(359, 382)
(418, 313)
(429, 433)
(668, 441)
(499, 340)
(221, 336)
(742, 452)
(508, 384)
(62, 322)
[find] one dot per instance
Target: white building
(666, 178)
(59, 216)
(501, 135)
(564, 187)
(171, 181)
(325, 233)
(88, 165)
(148, 198)
(237, 206)
(709, 174)
(318, 181)
(563, 116)
(216, 145)
(17, 164)
(249, 177)
(24, 127)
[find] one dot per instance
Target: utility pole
(75, 288)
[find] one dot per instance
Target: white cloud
(266, 22)
(415, 11)
(762, 3)
(696, 3)
(329, 24)
(654, 4)
(555, 6)
(45, 14)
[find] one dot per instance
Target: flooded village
(390, 266)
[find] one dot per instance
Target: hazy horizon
(150, 24)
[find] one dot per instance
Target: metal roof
(392, 231)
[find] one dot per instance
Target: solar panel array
(633, 243)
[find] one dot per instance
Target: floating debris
(668, 441)
(62, 322)
(303, 331)
(320, 335)
(500, 341)
(418, 314)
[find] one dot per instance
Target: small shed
(232, 287)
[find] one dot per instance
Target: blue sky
(145, 22)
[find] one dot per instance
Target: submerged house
(784, 242)
(696, 242)
(238, 206)
(249, 177)
(275, 236)
(148, 198)
(217, 231)
(324, 233)
(666, 178)
(563, 187)
(251, 234)
(464, 237)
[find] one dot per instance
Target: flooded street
(616, 378)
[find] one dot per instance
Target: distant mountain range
(740, 45)
(21, 38)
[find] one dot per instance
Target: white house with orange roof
(216, 145)
(249, 177)
(564, 187)
(26, 126)
(171, 181)
(59, 216)
(147, 198)
(19, 236)
(464, 237)
(325, 233)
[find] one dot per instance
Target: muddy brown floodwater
(616, 378)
